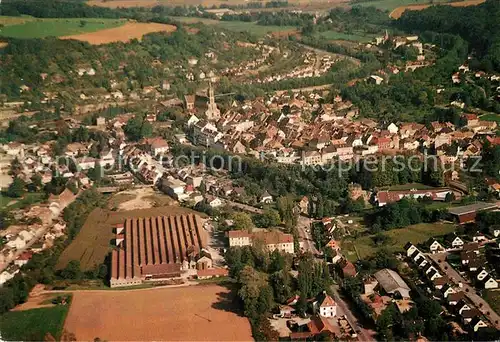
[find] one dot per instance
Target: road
(304, 228)
(440, 260)
(363, 334)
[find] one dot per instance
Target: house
(374, 79)
(489, 283)
(347, 268)
(392, 128)
(454, 298)
(159, 146)
(23, 258)
(370, 284)
(440, 282)
(333, 244)
(456, 242)
(482, 274)
(477, 323)
(435, 246)
(304, 205)
(239, 238)
(392, 283)
(266, 197)
(447, 290)
(173, 187)
(410, 249)
(468, 315)
(213, 201)
(318, 325)
(325, 306)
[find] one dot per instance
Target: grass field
(93, 242)
(28, 27)
(32, 325)
(408, 186)
(15, 203)
(192, 313)
(398, 238)
(493, 298)
(238, 26)
(333, 35)
(491, 117)
(389, 5)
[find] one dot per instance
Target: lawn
(408, 186)
(493, 298)
(237, 26)
(15, 203)
(491, 117)
(334, 35)
(388, 5)
(32, 325)
(27, 27)
(398, 238)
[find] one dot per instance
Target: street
(304, 228)
(440, 260)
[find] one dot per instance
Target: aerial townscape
(240, 170)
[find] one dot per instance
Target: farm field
(238, 26)
(208, 3)
(399, 11)
(334, 35)
(32, 325)
(389, 5)
(124, 33)
(398, 238)
(192, 313)
(93, 242)
(29, 27)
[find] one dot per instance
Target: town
(303, 187)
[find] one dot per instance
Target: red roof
(25, 256)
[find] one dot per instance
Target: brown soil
(398, 12)
(193, 313)
(124, 33)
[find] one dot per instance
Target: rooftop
(471, 208)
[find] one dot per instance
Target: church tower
(212, 113)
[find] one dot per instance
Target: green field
(334, 35)
(388, 5)
(29, 27)
(491, 117)
(398, 238)
(32, 325)
(15, 203)
(237, 26)
(493, 298)
(407, 186)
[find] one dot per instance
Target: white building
(325, 305)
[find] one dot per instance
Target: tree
(72, 270)
(242, 221)
(138, 128)
(16, 188)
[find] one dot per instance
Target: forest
(478, 25)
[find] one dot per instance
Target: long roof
(471, 208)
(390, 280)
(154, 241)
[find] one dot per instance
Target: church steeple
(212, 113)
